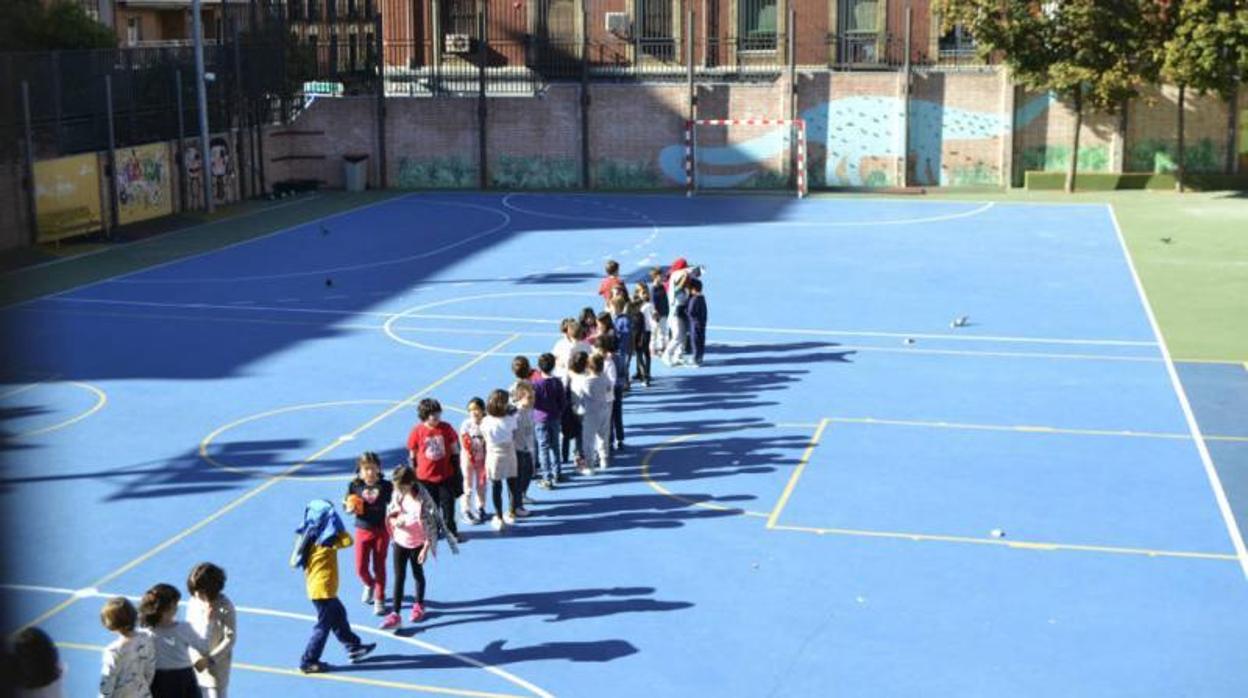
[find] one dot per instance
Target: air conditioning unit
(619, 24)
(458, 43)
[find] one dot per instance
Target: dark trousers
(403, 558)
(496, 493)
(643, 356)
(331, 617)
(175, 683)
(571, 434)
(697, 336)
(445, 499)
(617, 418)
(524, 461)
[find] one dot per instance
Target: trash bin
(355, 171)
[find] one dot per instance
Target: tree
(1088, 52)
(1201, 45)
(28, 25)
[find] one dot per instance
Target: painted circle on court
(221, 462)
(536, 327)
(100, 399)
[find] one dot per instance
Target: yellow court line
(797, 474)
(645, 475)
(101, 399)
(359, 681)
(247, 496)
(1021, 545)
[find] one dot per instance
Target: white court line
(302, 617)
(143, 241)
(1219, 493)
(409, 314)
(355, 267)
(204, 253)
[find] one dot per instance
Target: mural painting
(535, 172)
(436, 173)
(67, 197)
(220, 168)
(143, 183)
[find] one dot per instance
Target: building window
(134, 30)
(756, 25)
(957, 45)
(655, 27)
(859, 31)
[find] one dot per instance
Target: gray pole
(201, 98)
(181, 160)
(111, 174)
(380, 64)
(30, 166)
(905, 122)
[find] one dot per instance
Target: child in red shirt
(433, 447)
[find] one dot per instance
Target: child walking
(578, 392)
(644, 343)
(211, 614)
(525, 439)
(174, 677)
(317, 542)
(433, 447)
(597, 397)
(472, 462)
(416, 524)
(549, 402)
(697, 320)
(129, 662)
(499, 427)
(367, 497)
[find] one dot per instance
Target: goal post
(782, 142)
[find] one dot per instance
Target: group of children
(566, 411)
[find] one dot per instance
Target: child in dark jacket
(367, 497)
(549, 403)
(697, 319)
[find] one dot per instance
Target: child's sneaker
(481, 517)
(367, 596)
(522, 512)
(379, 607)
(361, 651)
(509, 519)
(468, 517)
(497, 523)
(544, 484)
(391, 621)
(314, 668)
(418, 612)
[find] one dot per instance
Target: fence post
(380, 62)
(693, 97)
(585, 95)
(110, 173)
(180, 160)
(482, 110)
(32, 222)
(905, 97)
(201, 97)
(792, 61)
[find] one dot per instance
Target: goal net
(745, 154)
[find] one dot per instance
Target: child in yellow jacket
(318, 541)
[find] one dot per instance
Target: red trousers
(370, 551)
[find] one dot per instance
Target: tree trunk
(1232, 151)
(1178, 184)
(1074, 142)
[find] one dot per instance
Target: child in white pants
(596, 425)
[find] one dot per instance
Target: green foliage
(978, 174)
(28, 25)
(436, 173)
(1157, 155)
(517, 172)
(1055, 158)
(1204, 45)
(625, 174)
(1091, 51)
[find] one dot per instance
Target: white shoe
(379, 607)
(522, 512)
(367, 596)
(509, 519)
(497, 523)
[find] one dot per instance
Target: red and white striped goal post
(799, 159)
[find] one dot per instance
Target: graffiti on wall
(857, 141)
(1160, 155)
(67, 196)
(521, 172)
(436, 173)
(143, 188)
(221, 170)
(626, 174)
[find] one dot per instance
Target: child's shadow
(494, 654)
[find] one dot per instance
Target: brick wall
(1152, 137)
